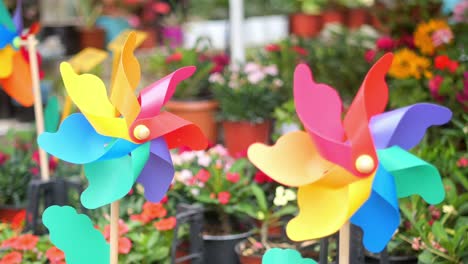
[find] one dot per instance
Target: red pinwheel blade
(19, 85)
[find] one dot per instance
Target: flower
(161, 8)
(140, 218)
(223, 197)
(406, 64)
(256, 76)
(55, 255)
(216, 78)
(260, 177)
(300, 50)
(125, 245)
(369, 56)
(18, 220)
(175, 57)
(218, 150)
(203, 175)
(385, 43)
(423, 35)
(204, 160)
(8, 243)
(272, 47)
(26, 242)
(232, 177)
(3, 158)
(443, 62)
(434, 86)
(12, 258)
(462, 162)
(441, 37)
(460, 12)
(166, 224)
(154, 210)
(271, 70)
(448, 209)
(164, 199)
(417, 244)
(123, 229)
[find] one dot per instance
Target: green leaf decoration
(281, 256)
(76, 236)
(52, 114)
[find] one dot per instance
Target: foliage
(89, 11)
(215, 180)
(249, 93)
(285, 117)
(200, 56)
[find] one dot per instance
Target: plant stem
(224, 218)
(264, 234)
(433, 251)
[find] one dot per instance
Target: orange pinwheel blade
(19, 84)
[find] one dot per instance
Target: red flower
(300, 50)
(55, 255)
(370, 55)
(174, 57)
(26, 242)
(203, 175)
(166, 224)
(154, 210)
(18, 220)
(123, 229)
(406, 41)
(12, 258)
(441, 62)
(34, 171)
(3, 158)
(462, 162)
(223, 197)
(452, 66)
(125, 245)
(434, 86)
(260, 177)
(220, 61)
(233, 177)
(385, 43)
(164, 199)
(272, 47)
(161, 8)
(140, 218)
(8, 243)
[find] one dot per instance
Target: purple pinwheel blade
(406, 126)
(157, 175)
(76, 141)
(18, 17)
(379, 217)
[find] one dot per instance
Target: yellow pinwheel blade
(125, 79)
(324, 210)
(6, 61)
(89, 94)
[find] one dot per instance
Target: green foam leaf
(5, 17)
(76, 236)
(52, 114)
(281, 256)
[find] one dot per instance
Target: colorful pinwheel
(15, 76)
(356, 168)
(122, 139)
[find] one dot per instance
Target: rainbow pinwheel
(15, 76)
(122, 139)
(356, 168)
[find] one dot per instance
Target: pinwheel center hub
(365, 164)
(141, 132)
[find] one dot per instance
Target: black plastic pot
(67, 34)
(220, 249)
(376, 259)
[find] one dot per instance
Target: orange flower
(166, 224)
(154, 210)
(140, 218)
(12, 258)
(17, 222)
(55, 255)
(8, 243)
(125, 245)
(123, 229)
(25, 242)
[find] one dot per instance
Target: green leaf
(439, 232)
(260, 196)
(161, 253)
(425, 257)
(286, 210)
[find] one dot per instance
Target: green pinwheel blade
(281, 256)
(52, 114)
(76, 236)
(412, 175)
(110, 180)
(5, 17)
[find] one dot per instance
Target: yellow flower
(424, 32)
(407, 64)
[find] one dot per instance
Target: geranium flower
(12, 258)
(203, 175)
(385, 43)
(166, 224)
(126, 137)
(123, 229)
(55, 255)
(353, 169)
(154, 210)
(3, 158)
(224, 197)
(272, 47)
(125, 245)
(233, 177)
(25, 242)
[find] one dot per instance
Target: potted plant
(247, 97)
(90, 34)
(221, 184)
(286, 119)
(193, 99)
(171, 26)
(357, 14)
(333, 12)
(306, 21)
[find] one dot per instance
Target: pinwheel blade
(6, 59)
(281, 256)
(157, 175)
(19, 85)
(52, 114)
(379, 217)
(18, 17)
(405, 127)
(6, 38)
(5, 18)
(75, 235)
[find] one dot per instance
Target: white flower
(279, 191)
(176, 160)
(290, 195)
(204, 160)
(448, 209)
(216, 78)
(195, 191)
(280, 201)
(187, 156)
(260, 215)
(256, 76)
(271, 70)
(251, 67)
(219, 150)
(183, 175)
(277, 82)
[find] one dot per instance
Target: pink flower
(125, 245)
(370, 55)
(256, 77)
(161, 8)
(417, 244)
(434, 86)
(12, 258)
(271, 70)
(272, 47)
(460, 12)
(3, 158)
(385, 43)
(251, 67)
(462, 162)
(223, 197)
(441, 37)
(203, 175)
(233, 177)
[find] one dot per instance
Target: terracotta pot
(273, 230)
(202, 113)
(357, 17)
(238, 136)
(252, 259)
(332, 16)
(305, 25)
(92, 37)
(151, 40)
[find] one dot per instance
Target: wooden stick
(114, 233)
(345, 232)
(38, 111)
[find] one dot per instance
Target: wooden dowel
(345, 232)
(114, 233)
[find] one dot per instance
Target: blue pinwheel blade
(406, 126)
(6, 36)
(379, 216)
(76, 141)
